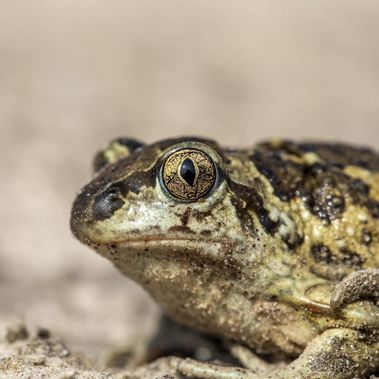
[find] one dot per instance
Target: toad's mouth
(94, 237)
(159, 243)
(165, 239)
(173, 241)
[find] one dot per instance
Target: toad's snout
(91, 206)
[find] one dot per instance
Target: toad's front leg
(359, 285)
(201, 370)
(336, 354)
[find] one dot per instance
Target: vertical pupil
(188, 171)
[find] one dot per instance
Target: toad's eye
(188, 174)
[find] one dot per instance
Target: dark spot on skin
(373, 207)
(323, 192)
(201, 216)
(269, 225)
(247, 200)
(323, 187)
(321, 253)
(181, 229)
(107, 202)
(351, 259)
(284, 176)
(369, 337)
(345, 257)
(206, 233)
(136, 181)
(297, 241)
(322, 195)
(185, 217)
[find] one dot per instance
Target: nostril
(107, 203)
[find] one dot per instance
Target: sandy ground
(76, 73)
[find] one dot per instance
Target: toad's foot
(252, 361)
(359, 285)
(256, 367)
(336, 354)
(192, 368)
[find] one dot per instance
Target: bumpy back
(331, 192)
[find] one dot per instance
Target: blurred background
(75, 74)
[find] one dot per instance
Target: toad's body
(275, 247)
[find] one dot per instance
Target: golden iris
(188, 174)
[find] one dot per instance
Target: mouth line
(148, 239)
(163, 240)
